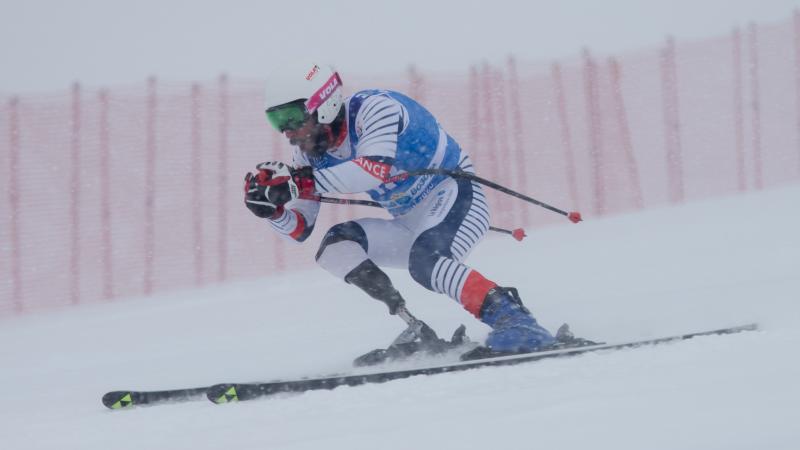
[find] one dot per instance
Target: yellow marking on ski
(229, 396)
(127, 399)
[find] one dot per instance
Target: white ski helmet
(319, 86)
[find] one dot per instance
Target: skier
(356, 144)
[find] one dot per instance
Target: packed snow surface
(662, 271)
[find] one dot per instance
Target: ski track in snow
(703, 265)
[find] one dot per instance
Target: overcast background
(46, 45)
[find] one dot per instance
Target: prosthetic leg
(417, 338)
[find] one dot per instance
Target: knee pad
(347, 231)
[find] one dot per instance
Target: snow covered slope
(663, 271)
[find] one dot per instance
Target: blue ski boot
(514, 330)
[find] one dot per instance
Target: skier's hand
(269, 189)
(273, 186)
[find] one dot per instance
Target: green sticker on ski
(228, 396)
(124, 402)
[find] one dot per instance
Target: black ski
(232, 392)
(127, 399)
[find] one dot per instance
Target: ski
(128, 399)
(234, 392)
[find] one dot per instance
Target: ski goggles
(289, 116)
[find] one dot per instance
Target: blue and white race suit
(436, 221)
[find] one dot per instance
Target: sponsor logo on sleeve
(378, 170)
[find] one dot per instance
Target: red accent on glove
(305, 184)
(265, 178)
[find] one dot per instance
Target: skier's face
(312, 138)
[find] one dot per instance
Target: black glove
(273, 186)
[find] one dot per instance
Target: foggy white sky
(47, 44)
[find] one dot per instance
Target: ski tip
(223, 393)
(118, 400)
(748, 327)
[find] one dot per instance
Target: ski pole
(573, 216)
(517, 233)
